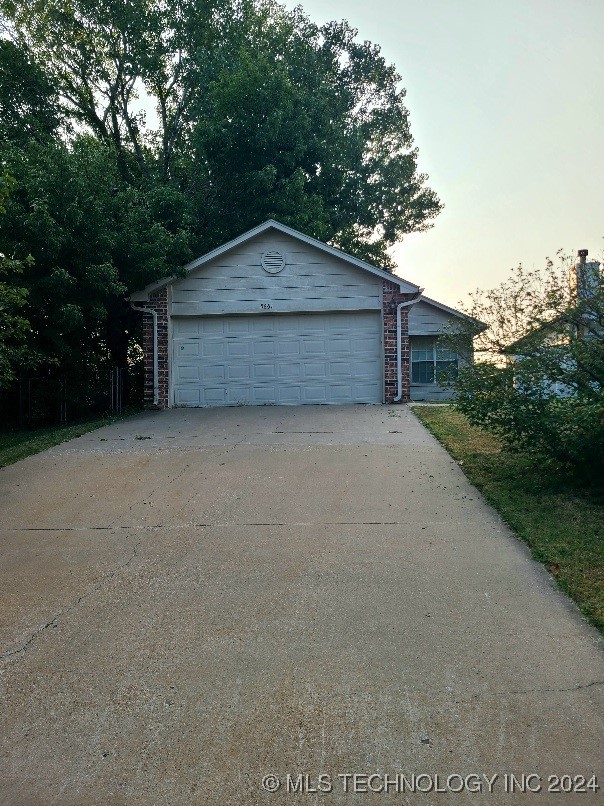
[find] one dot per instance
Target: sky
(506, 104)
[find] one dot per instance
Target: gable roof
(405, 285)
(559, 327)
(451, 311)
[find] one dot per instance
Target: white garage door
(270, 359)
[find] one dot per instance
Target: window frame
(434, 361)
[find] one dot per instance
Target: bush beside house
(539, 385)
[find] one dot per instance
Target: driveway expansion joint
(216, 524)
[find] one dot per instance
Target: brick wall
(392, 296)
(158, 300)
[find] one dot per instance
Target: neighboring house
(585, 287)
(546, 337)
(275, 317)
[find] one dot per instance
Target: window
(428, 360)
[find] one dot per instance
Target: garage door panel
(190, 349)
(313, 347)
(366, 390)
(239, 372)
(187, 397)
(237, 349)
(288, 348)
(314, 370)
(365, 366)
(213, 374)
(289, 372)
(340, 345)
(238, 395)
(358, 344)
(212, 326)
(237, 326)
(286, 325)
(289, 395)
(342, 393)
(264, 348)
(277, 360)
(339, 369)
(189, 373)
(213, 396)
(263, 394)
(264, 372)
(212, 350)
(188, 328)
(314, 393)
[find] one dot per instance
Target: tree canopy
(258, 112)
(142, 133)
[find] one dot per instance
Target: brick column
(158, 301)
(392, 296)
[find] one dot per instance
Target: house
(560, 337)
(275, 317)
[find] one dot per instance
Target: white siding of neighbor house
(427, 320)
(236, 283)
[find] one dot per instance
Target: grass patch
(558, 517)
(17, 444)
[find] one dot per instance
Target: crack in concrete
(55, 619)
(179, 475)
(489, 694)
(205, 525)
(557, 690)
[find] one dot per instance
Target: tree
(259, 112)
(28, 101)
(89, 233)
(539, 380)
(164, 129)
(14, 327)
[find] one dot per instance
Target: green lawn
(561, 520)
(17, 444)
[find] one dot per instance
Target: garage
(278, 359)
(276, 317)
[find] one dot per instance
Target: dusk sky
(506, 108)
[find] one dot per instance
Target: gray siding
(431, 393)
(427, 320)
(311, 281)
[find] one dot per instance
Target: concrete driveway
(195, 599)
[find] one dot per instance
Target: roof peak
(404, 285)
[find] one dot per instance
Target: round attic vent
(273, 262)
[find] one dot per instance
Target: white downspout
(399, 344)
(153, 313)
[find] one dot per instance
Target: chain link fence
(45, 399)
